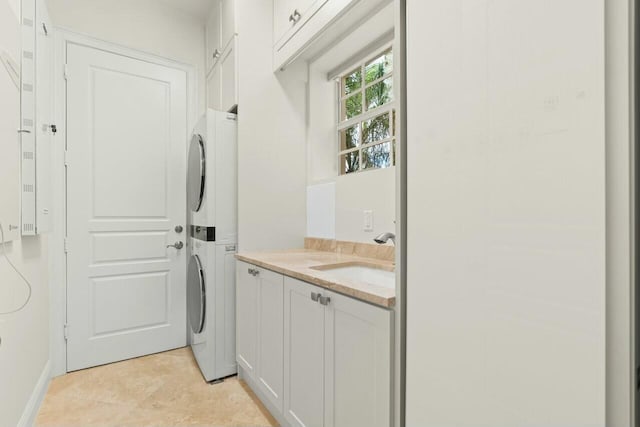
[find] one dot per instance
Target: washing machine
(212, 244)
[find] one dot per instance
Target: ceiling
(196, 8)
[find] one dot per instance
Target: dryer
(212, 244)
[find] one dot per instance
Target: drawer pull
(324, 300)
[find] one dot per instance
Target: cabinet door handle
(254, 272)
(324, 300)
(216, 54)
(296, 16)
(315, 296)
(292, 19)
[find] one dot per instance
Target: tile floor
(164, 389)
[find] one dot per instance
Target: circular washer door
(196, 295)
(196, 173)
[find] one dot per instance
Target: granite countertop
(307, 265)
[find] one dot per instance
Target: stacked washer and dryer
(212, 199)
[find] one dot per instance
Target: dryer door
(196, 295)
(196, 173)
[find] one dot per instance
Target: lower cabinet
(319, 358)
(259, 341)
(304, 354)
(246, 318)
(270, 335)
(358, 364)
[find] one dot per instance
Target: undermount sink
(361, 273)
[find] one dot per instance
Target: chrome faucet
(384, 238)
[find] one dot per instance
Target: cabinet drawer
(284, 27)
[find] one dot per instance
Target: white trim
(370, 114)
(58, 292)
(32, 408)
(383, 42)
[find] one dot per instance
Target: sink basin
(371, 275)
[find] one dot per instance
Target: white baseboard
(37, 396)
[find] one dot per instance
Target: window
(366, 125)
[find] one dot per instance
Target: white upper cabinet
(227, 22)
(302, 28)
(222, 80)
(229, 76)
(290, 15)
(282, 11)
(213, 34)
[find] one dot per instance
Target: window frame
(366, 115)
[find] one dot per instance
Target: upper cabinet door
(227, 21)
(213, 35)
(290, 16)
(282, 11)
(228, 77)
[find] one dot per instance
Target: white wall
(352, 194)
(145, 25)
(24, 351)
(271, 138)
(24, 346)
(505, 213)
(373, 190)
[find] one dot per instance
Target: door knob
(179, 229)
(177, 245)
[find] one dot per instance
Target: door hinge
(66, 331)
(66, 245)
(66, 72)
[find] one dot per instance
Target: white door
(270, 336)
(126, 193)
(304, 322)
(246, 317)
